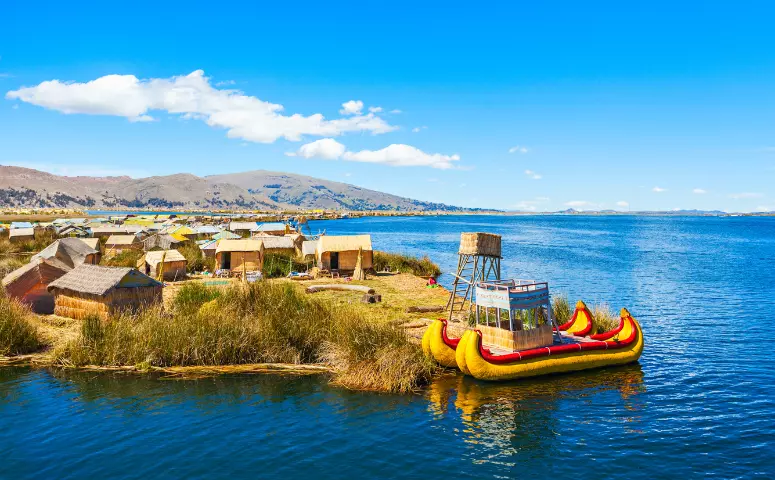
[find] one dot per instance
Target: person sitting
(432, 283)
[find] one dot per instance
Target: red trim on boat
(450, 342)
(556, 349)
(610, 333)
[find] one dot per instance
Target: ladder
(471, 269)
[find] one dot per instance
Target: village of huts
(106, 264)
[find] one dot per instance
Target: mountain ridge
(22, 187)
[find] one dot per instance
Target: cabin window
(334, 260)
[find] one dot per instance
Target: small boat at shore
(507, 344)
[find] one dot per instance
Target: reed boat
(514, 346)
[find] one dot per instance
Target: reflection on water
(507, 419)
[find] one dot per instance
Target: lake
(698, 404)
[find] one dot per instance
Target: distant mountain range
(255, 190)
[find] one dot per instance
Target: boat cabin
(514, 315)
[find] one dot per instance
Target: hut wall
(172, 270)
(21, 238)
(242, 261)
(348, 259)
(39, 299)
(79, 305)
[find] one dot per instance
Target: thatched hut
(245, 255)
(29, 283)
(89, 289)
(340, 252)
(284, 245)
(160, 241)
(169, 263)
(70, 251)
(116, 244)
(21, 234)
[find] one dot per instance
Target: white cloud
(518, 149)
(400, 155)
(765, 208)
(397, 155)
(225, 83)
(622, 204)
(738, 196)
(658, 189)
(375, 109)
(353, 107)
(326, 148)
(15, 106)
(418, 129)
(533, 175)
(395, 111)
(348, 174)
(191, 96)
(699, 191)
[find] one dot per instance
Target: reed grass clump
(127, 258)
(561, 309)
(266, 322)
(196, 261)
(396, 262)
(603, 318)
(17, 334)
(277, 265)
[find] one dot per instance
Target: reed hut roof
(121, 240)
(108, 230)
(45, 269)
(225, 235)
(99, 280)
(270, 227)
(344, 243)
(91, 242)
(275, 242)
(184, 230)
(71, 251)
(21, 232)
(161, 240)
(209, 245)
(207, 230)
(243, 245)
(154, 258)
(243, 226)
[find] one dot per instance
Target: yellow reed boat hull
(437, 346)
(481, 368)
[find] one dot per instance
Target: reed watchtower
(479, 260)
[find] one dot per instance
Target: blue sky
(603, 105)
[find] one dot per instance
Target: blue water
(698, 404)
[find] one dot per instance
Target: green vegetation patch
(395, 262)
(17, 334)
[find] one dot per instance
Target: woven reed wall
(479, 243)
(518, 340)
(243, 261)
(172, 270)
(79, 306)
